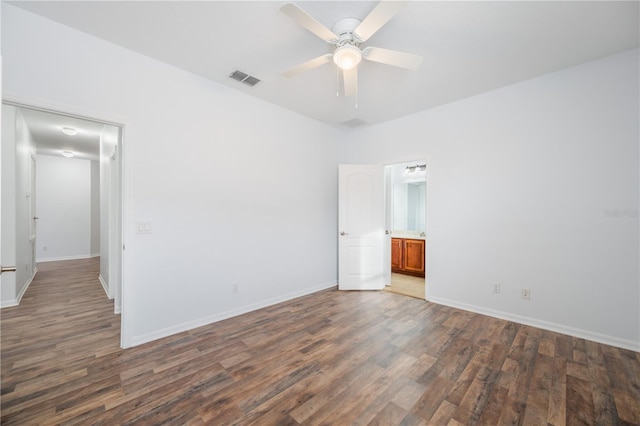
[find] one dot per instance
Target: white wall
(94, 248)
(105, 199)
(114, 136)
(523, 188)
(237, 191)
(110, 243)
(64, 208)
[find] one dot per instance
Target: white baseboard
(26, 286)
(56, 259)
(558, 328)
(104, 286)
(16, 301)
(148, 337)
(9, 303)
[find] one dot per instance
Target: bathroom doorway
(405, 205)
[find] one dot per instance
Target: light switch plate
(143, 228)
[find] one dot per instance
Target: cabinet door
(396, 254)
(414, 256)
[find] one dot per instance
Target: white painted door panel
(8, 207)
(361, 227)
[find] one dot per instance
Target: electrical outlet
(44, 247)
(235, 288)
(526, 294)
(496, 288)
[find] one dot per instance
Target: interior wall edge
(16, 301)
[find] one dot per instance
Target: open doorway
(405, 204)
(74, 189)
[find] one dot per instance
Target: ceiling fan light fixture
(347, 57)
(68, 154)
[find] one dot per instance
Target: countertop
(407, 234)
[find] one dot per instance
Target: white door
(388, 225)
(8, 208)
(32, 218)
(361, 227)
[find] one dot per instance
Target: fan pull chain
(356, 88)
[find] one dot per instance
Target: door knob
(344, 233)
(7, 269)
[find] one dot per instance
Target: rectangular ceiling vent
(245, 78)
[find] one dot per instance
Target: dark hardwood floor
(329, 358)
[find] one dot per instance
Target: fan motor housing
(344, 30)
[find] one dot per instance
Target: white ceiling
(46, 130)
(468, 47)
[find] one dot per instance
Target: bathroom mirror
(409, 206)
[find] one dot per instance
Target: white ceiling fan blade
(308, 21)
(350, 78)
(306, 66)
(379, 16)
(392, 57)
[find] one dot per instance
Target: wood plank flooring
(333, 357)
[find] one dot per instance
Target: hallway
(51, 340)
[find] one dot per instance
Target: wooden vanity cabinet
(407, 256)
(396, 254)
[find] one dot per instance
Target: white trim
(9, 303)
(189, 325)
(60, 108)
(105, 287)
(94, 255)
(16, 301)
(546, 325)
(125, 281)
(56, 259)
(24, 289)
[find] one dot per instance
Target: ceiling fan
(346, 35)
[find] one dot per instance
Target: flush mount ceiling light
(69, 131)
(68, 154)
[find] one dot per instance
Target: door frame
(388, 207)
(124, 190)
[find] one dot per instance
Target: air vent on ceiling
(245, 78)
(354, 122)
